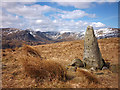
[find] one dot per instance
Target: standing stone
(92, 56)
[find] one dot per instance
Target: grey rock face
(77, 63)
(92, 56)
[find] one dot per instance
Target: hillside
(14, 75)
(69, 50)
(12, 37)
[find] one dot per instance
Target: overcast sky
(59, 16)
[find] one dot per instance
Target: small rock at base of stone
(92, 69)
(72, 68)
(104, 68)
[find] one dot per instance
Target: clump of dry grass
(44, 70)
(40, 69)
(87, 76)
(31, 52)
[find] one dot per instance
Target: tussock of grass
(30, 51)
(87, 76)
(70, 75)
(41, 69)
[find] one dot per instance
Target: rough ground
(14, 76)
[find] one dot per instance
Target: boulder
(71, 68)
(77, 63)
(104, 68)
(92, 69)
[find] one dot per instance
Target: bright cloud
(76, 4)
(38, 21)
(25, 1)
(75, 14)
(20, 15)
(97, 24)
(9, 20)
(34, 11)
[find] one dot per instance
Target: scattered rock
(101, 73)
(92, 69)
(77, 63)
(71, 68)
(104, 68)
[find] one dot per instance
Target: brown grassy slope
(61, 52)
(110, 49)
(67, 51)
(26, 68)
(14, 74)
(36, 67)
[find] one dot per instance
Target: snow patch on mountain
(100, 33)
(32, 33)
(107, 32)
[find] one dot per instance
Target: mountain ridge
(13, 36)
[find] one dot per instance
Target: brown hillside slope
(67, 51)
(13, 64)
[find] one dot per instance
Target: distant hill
(12, 37)
(100, 34)
(107, 33)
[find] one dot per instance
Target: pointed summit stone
(92, 55)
